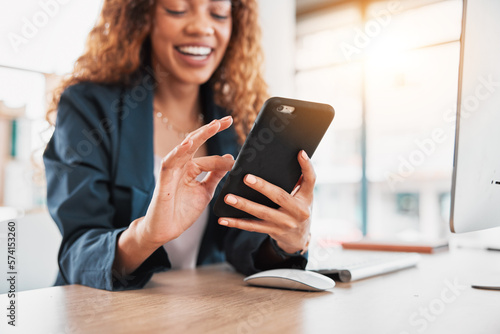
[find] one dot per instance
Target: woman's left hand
(289, 225)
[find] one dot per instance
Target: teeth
(195, 50)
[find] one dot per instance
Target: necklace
(171, 127)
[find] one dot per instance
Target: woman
(131, 170)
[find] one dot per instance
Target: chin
(196, 78)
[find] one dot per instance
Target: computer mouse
(294, 279)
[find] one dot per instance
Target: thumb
(213, 178)
(211, 181)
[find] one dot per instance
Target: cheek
(225, 34)
(162, 33)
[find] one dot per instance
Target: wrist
(285, 252)
(142, 236)
(131, 250)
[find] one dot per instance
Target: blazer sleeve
(78, 196)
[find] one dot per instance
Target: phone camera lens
(280, 108)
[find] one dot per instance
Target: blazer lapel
(135, 158)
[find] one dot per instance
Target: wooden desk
(214, 299)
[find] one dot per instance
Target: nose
(200, 25)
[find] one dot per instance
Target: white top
(183, 251)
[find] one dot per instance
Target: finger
(201, 135)
(271, 191)
(308, 176)
(208, 164)
(211, 181)
(297, 186)
(183, 152)
(247, 225)
(213, 178)
(255, 209)
(171, 160)
(215, 163)
(225, 123)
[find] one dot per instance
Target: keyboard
(352, 265)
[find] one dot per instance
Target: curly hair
(117, 44)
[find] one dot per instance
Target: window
(390, 70)
(41, 39)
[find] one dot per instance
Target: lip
(193, 60)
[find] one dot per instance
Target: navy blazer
(99, 167)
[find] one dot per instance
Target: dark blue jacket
(99, 168)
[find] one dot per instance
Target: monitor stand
(493, 284)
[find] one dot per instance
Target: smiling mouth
(198, 52)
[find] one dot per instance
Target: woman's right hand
(179, 199)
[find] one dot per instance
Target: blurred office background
(389, 68)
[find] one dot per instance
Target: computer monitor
(475, 196)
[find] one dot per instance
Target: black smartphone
(281, 130)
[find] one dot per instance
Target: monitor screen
(475, 198)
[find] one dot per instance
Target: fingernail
(225, 118)
(251, 179)
(186, 141)
(230, 199)
(224, 222)
(228, 156)
(212, 123)
(304, 155)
